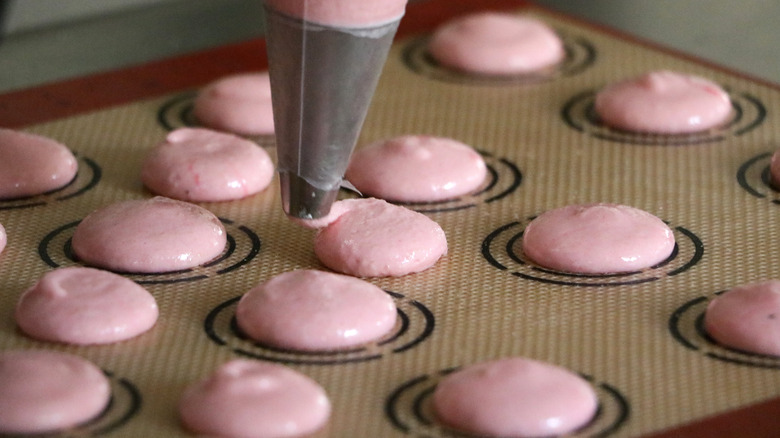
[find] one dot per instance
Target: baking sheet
(636, 337)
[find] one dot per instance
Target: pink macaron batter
(149, 236)
(202, 165)
(747, 318)
(514, 397)
(240, 104)
(45, 391)
(32, 164)
(416, 168)
(342, 13)
(309, 310)
(371, 238)
(78, 305)
(663, 102)
(774, 170)
(597, 239)
(495, 43)
(3, 238)
(253, 399)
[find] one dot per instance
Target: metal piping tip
(322, 82)
(304, 201)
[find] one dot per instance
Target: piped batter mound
(78, 305)
(416, 168)
(3, 238)
(663, 102)
(747, 318)
(33, 165)
(597, 239)
(342, 13)
(244, 398)
(774, 170)
(240, 104)
(514, 397)
(47, 391)
(202, 165)
(308, 310)
(372, 238)
(149, 236)
(493, 43)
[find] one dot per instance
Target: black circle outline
(578, 113)
(743, 170)
(170, 105)
(417, 59)
(156, 278)
(98, 426)
(766, 190)
(429, 381)
(61, 194)
(698, 253)
(706, 345)
(327, 357)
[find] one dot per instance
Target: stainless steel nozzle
(322, 82)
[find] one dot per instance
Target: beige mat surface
(635, 337)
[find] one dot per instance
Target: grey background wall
(50, 40)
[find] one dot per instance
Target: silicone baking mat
(636, 337)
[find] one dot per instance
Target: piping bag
(324, 61)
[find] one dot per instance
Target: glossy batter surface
(240, 104)
(202, 165)
(747, 318)
(84, 306)
(148, 236)
(597, 239)
(494, 43)
(32, 164)
(416, 168)
(254, 399)
(774, 170)
(312, 310)
(3, 238)
(663, 102)
(514, 397)
(372, 238)
(46, 391)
